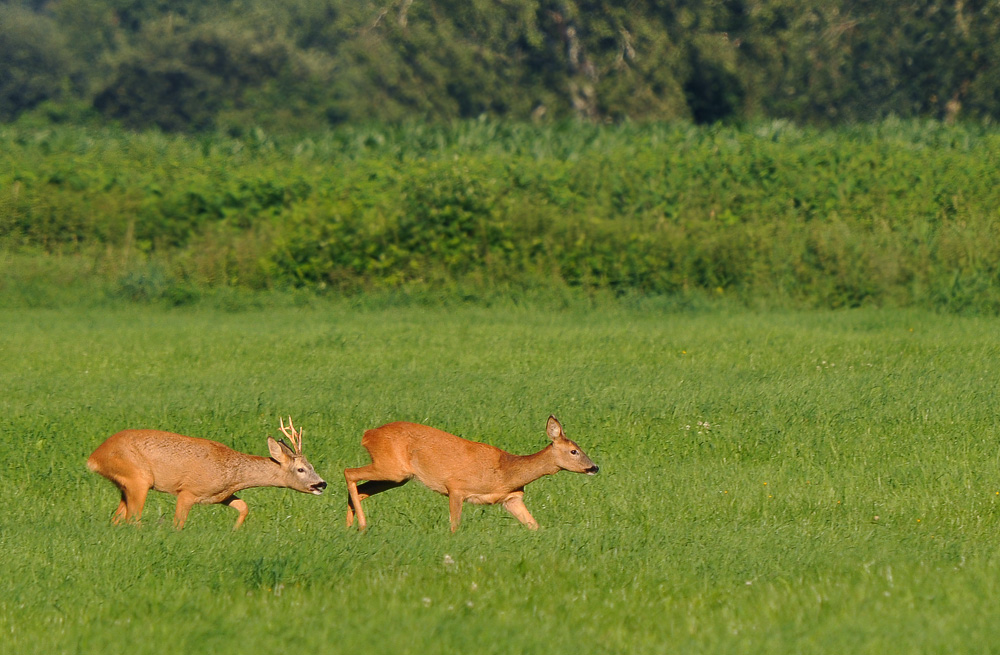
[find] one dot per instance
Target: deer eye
(574, 452)
(301, 470)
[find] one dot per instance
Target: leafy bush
(893, 213)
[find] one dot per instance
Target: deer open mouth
(317, 488)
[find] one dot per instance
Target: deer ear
(279, 451)
(554, 429)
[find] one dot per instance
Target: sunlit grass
(798, 482)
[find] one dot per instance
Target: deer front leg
(455, 509)
(184, 502)
(515, 505)
(240, 506)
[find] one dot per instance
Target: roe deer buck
(461, 469)
(197, 470)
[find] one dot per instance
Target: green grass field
(821, 482)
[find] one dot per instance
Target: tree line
(192, 65)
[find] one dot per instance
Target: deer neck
(256, 471)
(520, 470)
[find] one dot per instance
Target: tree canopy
(189, 65)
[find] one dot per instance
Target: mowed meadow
(779, 482)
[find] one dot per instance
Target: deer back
(437, 458)
(168, 462)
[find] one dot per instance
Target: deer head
(568, 455)
(299, 473)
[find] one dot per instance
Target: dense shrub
(897, 212)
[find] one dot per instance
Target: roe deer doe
(197, 470)
(461, 469)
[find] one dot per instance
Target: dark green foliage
(195, 77)
(34, 61)
(303, 64)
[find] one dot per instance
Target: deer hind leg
(515, 505)
(134, 497)
(133, 489)
(367, 490)
(377, 482)
(119, 516)
(240, 506)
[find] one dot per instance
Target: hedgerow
(897, 212)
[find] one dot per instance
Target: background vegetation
(889, 214)
(822, 482)
(304, 64)
(775, 152)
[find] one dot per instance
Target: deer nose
(593, 469)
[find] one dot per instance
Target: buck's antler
(293, 436)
